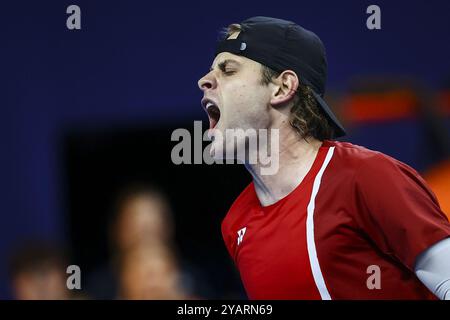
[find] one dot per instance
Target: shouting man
(336, 220)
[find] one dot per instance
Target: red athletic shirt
(355, 208)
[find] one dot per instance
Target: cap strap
(236, 46)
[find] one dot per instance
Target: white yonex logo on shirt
(241, 235)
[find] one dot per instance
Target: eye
(228, 72)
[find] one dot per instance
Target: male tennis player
(336, 221)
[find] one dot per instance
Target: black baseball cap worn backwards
(281, 45)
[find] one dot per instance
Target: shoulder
(374, 174)
(371, 172)
(346, 151)
(361, 160)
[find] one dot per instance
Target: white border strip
(313, 260)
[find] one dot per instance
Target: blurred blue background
(136, 64)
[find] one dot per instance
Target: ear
(286, 85)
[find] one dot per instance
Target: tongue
(212, 123)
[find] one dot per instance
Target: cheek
(245, 98)
(236, 93)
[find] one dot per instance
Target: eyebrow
(222, 65)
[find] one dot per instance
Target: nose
(208, 81)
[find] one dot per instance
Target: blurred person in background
(38, 272)
(142, 218)
(150, 273)
(142, 245)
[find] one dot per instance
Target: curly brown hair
(306, 116)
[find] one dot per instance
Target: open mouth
(213, 113)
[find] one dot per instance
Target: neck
(295, 158)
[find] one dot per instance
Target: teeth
(209, 104)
